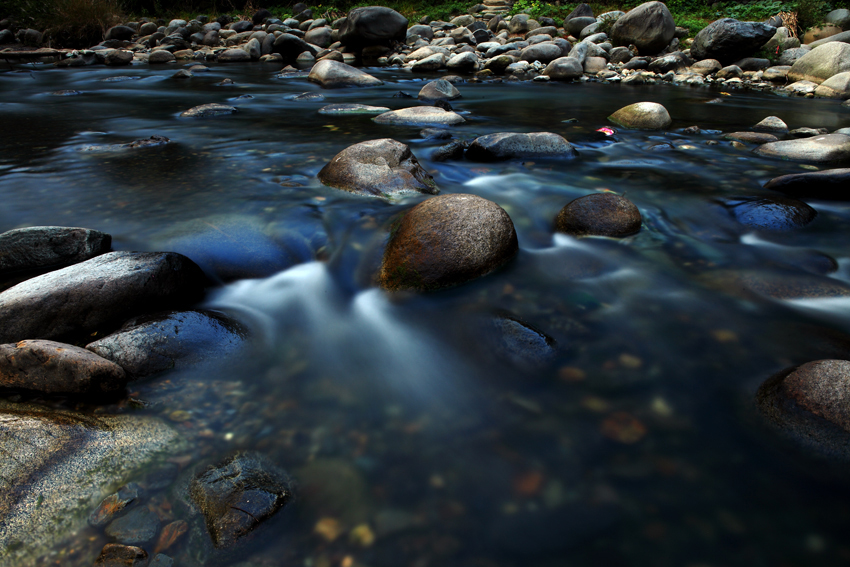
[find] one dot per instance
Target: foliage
(69, 23)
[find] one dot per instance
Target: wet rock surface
(334, 109)
(115, 504)
(446, 241)
(43, 248)
(98, 293)
(372, 25)
(599, 214)
(171, 341)
(118, 555)
(333, 75)
(420, 116)
(65, 463)
(649, 26)
(511, 145)
(209, 110)
(774, 214)
(830, 184)
(831, 148)
(237, 495)
(57, 368)
(377, 168)
(729, 40)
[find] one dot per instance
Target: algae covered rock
(643, 116)
(446, 241)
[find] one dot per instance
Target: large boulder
(729, 40)
(57, 368)
(446, 241)
(564, 69)
(64, 464)
(332, 74)
(650, 27)
(599, 214)
(821, 63)
(40, 248)
(98, 294)
(237, 495)
(830, 185)
(509, 145)
(290, 47)
(840, 18)
(828, 148)
(837, 86)
(643, 116)
(171, 341)
(372, 25)
(377, 168)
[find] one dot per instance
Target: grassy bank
(79, 23)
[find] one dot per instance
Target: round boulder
(377, 168)
(564, 69)
(776, 214)
(599, 214)
(440, 89)
(729, 40)
(372, 25)
(821, 63)
(446, 241)
(650, 27)
(643, 116)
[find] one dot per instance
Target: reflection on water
(399, 417)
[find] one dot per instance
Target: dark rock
(115, 504)
(155, 343)
(290, 46)
(451, 151)
(809, 403)
(830, 148)
(242, 26)
(333, 75)
(117, 555)
(729, 40)
(208, 110)
(650, 27)
(512, 145)
(118, 57)
(672, 62)
(235, 55)
(772, 124)
(576, 24)
(260, 16)
(778, 284)
(373, 25)
(122, 33)
(775, 213)
(752, 137)
(237, 495)
(830, 185)
(65, 463)
(439, 90)
(446, 241)
(42, 248)
(57, 368)
(6, 36)
(347, 108)
(30, 37)
(807, 132)
(138, 526)
(98, 293)
(518, 343)
(753, 64)
(161, 560)
(377, 168)
(580, 11)
(599, 214)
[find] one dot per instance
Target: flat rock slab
(830, 148)
(752, 137)
(208, 110)
(420, 116)
(57, 368)
(59, 465)
(98, 293)
(332, 74)
(151, 344)
(47, 247)
(334, 109)
(152, 142)
(510, 145)
(831, 185)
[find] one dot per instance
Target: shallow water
(638, 444)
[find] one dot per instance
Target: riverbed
(413, 437)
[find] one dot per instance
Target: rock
(801, 88)
(843, 37)
(830, 185)
(642, 115)
(161, 56)
(183, 74)
(772, 124)
(65, 463)
(791, 56)
(171, 341)
(446, 241)
(518, 343)
(321, 36)
(420, 116)
(377, 168)
(777, 214)
(439, 90)
(830, 148)
(809, 403)
(837, 86)
(208, 110)
(821, 63)
(115, 504)
(564, 69)
(650, 27)
(729, 40)
(820, 32)
(161, 560)
(333, 74)
(117, 555)
(544, 52)
(121, 33)
(237, 495)
(56, 368)
(580, 11)
(372, 25)
(599, 214)
(117, 57)
(30, 37)
(290, 47)
(242, 26)
(43, 248)
(779, 284)
(776, 73)
(98, 293)
(753, 64)
(346, 108)
(840, 18)
(138, 526)
(235, 55)
(430, 63)
(451, 151)
(511, 145)
(752, 137)
(730, 72)
(463, 62)
(518, 24)
(575, 25)
(808, 132)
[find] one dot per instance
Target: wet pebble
(115, 504)
(139, 526)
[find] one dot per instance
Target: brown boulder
(599, 214)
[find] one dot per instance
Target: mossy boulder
(642, 116)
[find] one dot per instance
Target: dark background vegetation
(82, 23)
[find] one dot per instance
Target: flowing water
(414, 438)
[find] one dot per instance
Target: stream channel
(414, 435)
